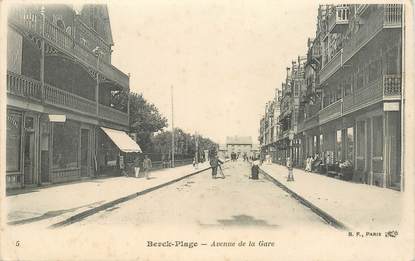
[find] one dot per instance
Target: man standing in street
(147, 165)
(214, 163)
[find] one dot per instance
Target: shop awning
(122, 140)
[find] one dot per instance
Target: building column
(386, 150)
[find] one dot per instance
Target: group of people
(234, 156)
(312, 162)
(147, 166)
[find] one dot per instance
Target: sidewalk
(358, 206)
(53, 204)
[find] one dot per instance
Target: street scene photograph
(205, 130)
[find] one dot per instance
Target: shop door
(377, 150)
(84, 152)
(29, 157)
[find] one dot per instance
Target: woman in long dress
(255, 169)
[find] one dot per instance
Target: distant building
(222, 151)
(239, 145)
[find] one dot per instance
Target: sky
(224, 58)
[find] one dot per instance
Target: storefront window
(339, 145)
(377, 136)
(14, 123)
(350, 143)
(321, 143)
(65, 145)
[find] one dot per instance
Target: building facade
(350, 104)
(61, 90)
(240, 145)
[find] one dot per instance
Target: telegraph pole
(172, 129)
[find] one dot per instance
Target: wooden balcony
(86, 32)
(331, 66)
(31, 22)
(19, 85)
(113, 115)
(331, 112)
(363, 97)
(23, 86)
(339, 19)
(378, 18)
(69, 101)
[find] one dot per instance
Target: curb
(321, 213)
(80, 216)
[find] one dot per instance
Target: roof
(239, 140)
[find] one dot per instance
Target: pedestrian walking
(290, 169)
(308, 163)
(255, 169)
(195, 163)
(137, 165)
(147, 165)
(214, 163)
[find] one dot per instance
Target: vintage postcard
(206, 130)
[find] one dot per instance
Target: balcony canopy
(122, 140)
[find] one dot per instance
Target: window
(14, 126)
(65, 145)
(393, 61)
(359, 80)
(374, 70)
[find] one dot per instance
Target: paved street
(200, 200)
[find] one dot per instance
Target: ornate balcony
(31, 22)
(331, 112)
(392, 87)
(383, 16)
(22, 86)
(339, 19)
(331, 66)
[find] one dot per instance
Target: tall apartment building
(350, 106)
(67, 105)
